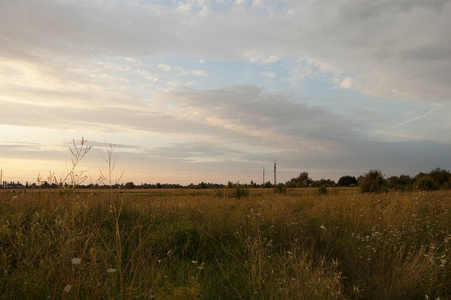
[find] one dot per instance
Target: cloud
(269, 60)
(268, 74)
(165, 67)
(260, 58)
(193, 73)
(349, 72)
(373, 41)
(346, 83)
(269, 118)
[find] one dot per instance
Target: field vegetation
(332, 243)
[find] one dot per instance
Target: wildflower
(76, 261)
(194, 261)
(110, 270)
(67, 288)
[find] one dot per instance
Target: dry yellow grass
(206, 244)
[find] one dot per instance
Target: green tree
(129, 185)
(280, 188)
(373, 182)
(268, 184)
(304, 180)
(441, 177)
(425, 182)
(347, 180)
(401, 183)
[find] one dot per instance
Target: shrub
(441, 177)
(280, 189)
(402, 183)
(373, 182)
(426, 183)
(219, 193)
(323, 190)
(240, 191)
(347, 180)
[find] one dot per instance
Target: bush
(441, 177)
(402, 183)
(280, 189)
(323, 190)
(347, 180)
(426, 183)
(219, 193)
(240, 191)
(373, 182)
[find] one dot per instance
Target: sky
(218, 90)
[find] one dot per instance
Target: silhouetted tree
(304, 180)
(347, 180)
(401, 183)
(373, 182)
(441, 177)
(129, 185)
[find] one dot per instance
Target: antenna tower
(275, 182)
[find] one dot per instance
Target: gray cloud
(384, 45)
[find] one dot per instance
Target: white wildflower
(76, 261)
(110, 270)
(67, 288)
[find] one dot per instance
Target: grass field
(205, 244)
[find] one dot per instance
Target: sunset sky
(215, 90)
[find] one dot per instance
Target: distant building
(13, 185)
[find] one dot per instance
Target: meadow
(208, 244)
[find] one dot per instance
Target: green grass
(191, 244)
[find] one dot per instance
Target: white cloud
(193, 73)
(257, 2)
(268, 74)
(165, 67)
(261, 59)
(149, 76)
(204, 11)
(270, 59)
(184, 7)
(347, 83)
(172, 83)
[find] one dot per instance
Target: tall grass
(185, 244)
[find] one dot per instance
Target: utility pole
(275, 182)
(263, 175)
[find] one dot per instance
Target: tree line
(372, 182)
(375, 182)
